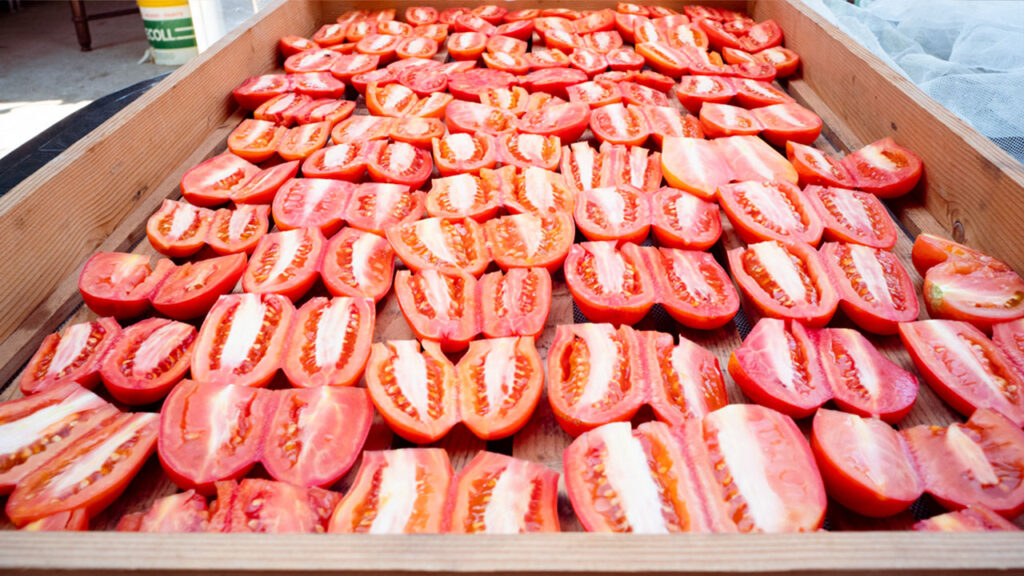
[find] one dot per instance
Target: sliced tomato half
(398, 163)
(358, 263)
(981, 291)
(1009, 338)
(147, 360)
(178, 229)
(255, 140)
(262, 186)
(584, 168)
(463, 196)
(815, 167)
(692, 287)
(609, 284)
(500, 381)
(666, 122)
(537, 190)
(312, 203)
(595, 94)
(694, 165)
(498, 494)
(473, 118)
(884, 168)
(614, 213)
(515, 303)
(285, 263)
(617, 124)
(450, 246)
(238, 231)
(751, 158)
(415, 391)
(853, 216)
(440, 307)
(513, 99)
(693, 91)
(375, 207)
(330, 110)
(361, 129)
(595, 376)
(681, 219)
(789, 122)
(633, 166)
(182, 512)
(770, 211)
(525, 149)
(875, 290)
(685, 380)
(329, 342)
(120, 284)
(74, 355)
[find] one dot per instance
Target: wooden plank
(971, 186)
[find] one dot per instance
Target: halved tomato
(182, 512)
(469, 84)
(759, 94)
(853, 216)
(318, 85)
(680, 219)
(120, 284)
(1009, 338)
(491, 13)
(361, 129)
(719, 120)
(88, 474)
(414, 391)
(862, 380)
(767, 478)
(930, 250)
(360, 28)
(416, 47)
(419, 132)
(330, 34)
(383, 46)
(466, 45)
(440, 307)
(420, 15)
(348, 65)
(242, 339)
(561, 40)
(633, 166)
(974, 518)
(282, 109)
(762, 36)
(450, 246)
(178, 229)
(211, 432)
(884, 168)
(238, 231)
(498, 494)
(424, 80)
(470, 22)
(786, 280)
(398, 163)
(875, 290)
(692, 287)
(448, 15)
(590, 62)
(530, 239)
(770, 211)
(680, 36)
(38, 426)
(519, 29)
(255, 140)
(358, 263)
(315, 435)
(312, 203)
(865, 464)
(537, 190)
(513, 99)
(313, 60)
(525, 150)
(595, 94)
(685, 380)
(464, 153)
(213, 181)
(66, 521)
(964, 367)
(618, 213)
(329, 342)
(375, 207)
(640, 95)
(74, 355)
(981, 291)
(667, 122)
(546, 58)
(302, 140)
(511, 63)
(662, 57)
(617, 124)
(694, 165)
(609, 284)
(393, 100)
(258, 89)
(566, 121)
(595, 376)
(778, 366)
(500, 382)
(345, 161)
(694, 91)
(285, 263)
(782, 123)
(750, 158)
(462, 116)
(147, 360)
(515, 303)
(191, 289)
(395, 492)
(815, 167)
(584, 168)
(463, 196)
(980, 461)
(655, 81)
(263, 185)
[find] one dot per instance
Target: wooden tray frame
(98, 194)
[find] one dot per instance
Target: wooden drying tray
(99, 193)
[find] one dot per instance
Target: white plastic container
(170, 31)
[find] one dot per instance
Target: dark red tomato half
(238, 231)
(178, 229)
(884, 168)
(329, 342)
(609, 284)
(875, 290)
(515, 303)
(213, 181)
(312, 203)
(315, 435)
(73, 355)
(147, 360)
(853, 216)
(865, 464)
(770, 211)
(242, 339)
(980, 461)
(963, 367)
(686, 382)
(778, 366)
(692, 287)
(120, 284)
(211, 432)
(358, 263)
(285, 263)
(680, 219)
(786, 280)
(440, 307)
(191, 289)
(862, 380)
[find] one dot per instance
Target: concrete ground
(44, 76)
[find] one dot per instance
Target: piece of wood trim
(837, 553)
(972, 187)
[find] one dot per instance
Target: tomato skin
(978, 291)
(691, 286)
(360, 510)
(685, 380)
(930, 250)
(882, 485)
(80, 412)
(303, 249)
(626, 393)
(212, 181)
(134, 385)
(585, 268)
(463, 236)
(598, 216)
(853, 216)
(389, 389)
(375, 207)
(617, 124)
(864, 382)
(694, 165)
(977, 462)
(884, 168)
(964, 368)
(165, 233)
(515, 303)
(440, 307)
(132, 437)
(524, 385)
(451, 158)
(680, 219)
(238, 231)
(120, 284)
(274, 314)
(263, 185)
(567, 121)
(752, 367)
(770, 211)
(858, 295)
